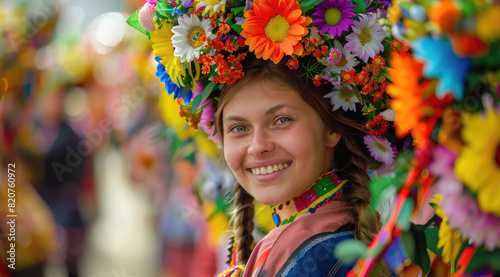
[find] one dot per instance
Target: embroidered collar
(326, 187)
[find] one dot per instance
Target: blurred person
(64, 158)
(180, 220)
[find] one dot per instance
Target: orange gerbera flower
(275, 28)
(417, 107)
(406, 91)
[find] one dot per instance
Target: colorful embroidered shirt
(286, 250)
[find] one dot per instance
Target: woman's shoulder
(324, 227)
(314, 257)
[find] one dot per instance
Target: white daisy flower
(346, 63)
(212, 6)
(190, 36)
(380, 149)
(342, 97)
(389, 115)
(366, 37)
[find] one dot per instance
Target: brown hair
(351, 164)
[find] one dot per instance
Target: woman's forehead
(263, 94)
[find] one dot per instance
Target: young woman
(286, 148)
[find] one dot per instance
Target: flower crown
(200, 45)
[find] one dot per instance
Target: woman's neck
(324, 189)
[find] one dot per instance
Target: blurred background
(105, 185)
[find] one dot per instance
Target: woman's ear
(332, 138)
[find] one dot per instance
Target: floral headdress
(200, 46)
(446, 95)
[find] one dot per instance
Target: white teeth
(269, 169)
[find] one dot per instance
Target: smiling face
(274, 142)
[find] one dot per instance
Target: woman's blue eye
(237, 129)
(283, 120)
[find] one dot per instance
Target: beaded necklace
(326, 187)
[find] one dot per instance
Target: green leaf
(404, 216)
(466, 7)
(237, 11)
(202, 97)
(378, 188)
(432, 238)
(350, 250)
(493, 258)
(236, 27)
(185, 90)
(308, 4)
(133, 21)
(419, 255)
(482, 258)
(492, 60)
(360, 6)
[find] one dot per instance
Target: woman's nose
(260, 144)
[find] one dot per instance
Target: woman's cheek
(232, 155)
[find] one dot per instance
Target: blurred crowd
(104, 186)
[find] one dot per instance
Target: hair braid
(243, 223)
(366, 220)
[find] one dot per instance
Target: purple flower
(187, 3)
(380, 149)
(460, 207)
(333, 16)
(335, 56)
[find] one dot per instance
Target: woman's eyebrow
(233, 118)
(270, 111)
(279, 107)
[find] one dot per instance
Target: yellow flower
(207, 146)
(218, 222)
(394, 12)
(450, 241)
(169, 108)
(263, 217)
(486, 30)
(212, 6)
(163, 48)
(479, 162)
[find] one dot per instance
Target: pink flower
(461, 208)
(335, 56)
(380, 149)
(146, 16)
(207, 117)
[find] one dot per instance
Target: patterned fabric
(292, 246)
(324, 189)
(314, 257)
